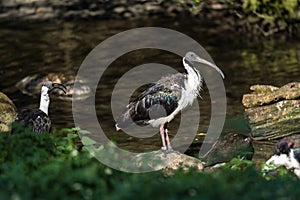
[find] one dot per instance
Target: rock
(174, 10)
(152, 7)
(42, 10)
(127, 15)
(273, 112)
(119, 10)
(175, 159)
(227, 147)
(8, 112)
(262, 151)
(136, 8)
(26, 11)
(267, 94)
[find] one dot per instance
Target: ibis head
(193, 58)
(47, 88)
(52, 86)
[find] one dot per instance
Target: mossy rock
(8, 112)
(273, 112)
(267, 94)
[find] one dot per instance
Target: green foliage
(54, 166)
(239, 164)
(272, 9)
(192, 6)
(272, 171)
(261, 16)
(225, 183)
(32, 165)
(271, 16)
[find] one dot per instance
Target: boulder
(171, 161)
(8, 112)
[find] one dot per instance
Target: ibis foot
(170, 150)
(167, 150)
(164, 148)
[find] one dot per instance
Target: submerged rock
(228, 147)
(273, 112)
(8, 112)
(31, 85)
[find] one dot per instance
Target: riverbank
(246, 16)
(42, 10)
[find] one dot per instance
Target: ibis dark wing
(36, 118)
(159, 100)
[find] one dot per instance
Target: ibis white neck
(194, 78)
(45, 100)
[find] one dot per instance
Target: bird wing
(36, 118)
(159, 100)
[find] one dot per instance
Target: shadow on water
(28, 49)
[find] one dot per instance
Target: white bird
(159, 104)
(285, 155)
(38, 118)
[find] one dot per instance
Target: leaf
(84, 132)
(72, 136)
(86, 141)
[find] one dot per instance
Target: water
(33, 48)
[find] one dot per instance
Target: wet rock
(12, 3)
(152, 7)
(173, 10)
(273, 112)
(27, 11)
(44, 10)
(229, 146)
(137, 9)
(8, 112)
(119, 10)
(127, 15)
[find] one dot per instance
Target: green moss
(7, 113)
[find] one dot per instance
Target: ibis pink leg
(168, 140)
(162, 134)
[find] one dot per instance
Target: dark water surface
(27, 49)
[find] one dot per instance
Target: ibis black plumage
(159, 104)
(38, 118)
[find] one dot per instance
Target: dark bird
(159, 104)
(38, 118)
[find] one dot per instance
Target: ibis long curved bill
(192, 57)
(57, 86)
